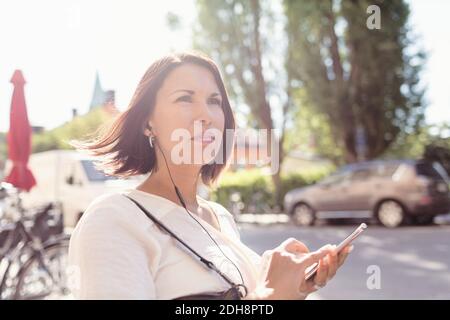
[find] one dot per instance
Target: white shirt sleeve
(235, 226)
(111, 257)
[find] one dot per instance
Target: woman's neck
(185, 179)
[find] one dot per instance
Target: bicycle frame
(28, 244)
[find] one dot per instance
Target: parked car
(68, 178)
(393, 192)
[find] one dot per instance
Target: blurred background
(357, 92)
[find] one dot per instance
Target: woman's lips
(204, 139)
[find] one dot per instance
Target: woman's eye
(184, 98)
(215, 101)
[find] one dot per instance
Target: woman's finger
(344, 253)
(322, 272)
(319, 280)
(313, 257)
(342, 257)
(332, 264)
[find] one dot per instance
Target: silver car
(393, 192)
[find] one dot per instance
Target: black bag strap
(208, 263)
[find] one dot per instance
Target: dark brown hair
(123, 149)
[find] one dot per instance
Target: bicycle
(33, 250)
(256, 205)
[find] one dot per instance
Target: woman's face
(188, 119)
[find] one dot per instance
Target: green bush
(246, 182)
(249, 182)
(298, 180)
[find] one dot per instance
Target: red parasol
(19, 137)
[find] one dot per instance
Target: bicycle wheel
(44, 276)
(11, 266)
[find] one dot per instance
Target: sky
(60, 45)
(430, 22)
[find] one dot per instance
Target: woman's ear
(148, 129)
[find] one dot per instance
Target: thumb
(315, 256)
(293, 245)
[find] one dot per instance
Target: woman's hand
(283, 270)
(328, 267)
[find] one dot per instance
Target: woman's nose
(204, 113)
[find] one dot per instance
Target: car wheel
(303, 215)
(390, 214)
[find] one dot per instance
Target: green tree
(78, 128)
(311, 132)
(362, 79)
(246, 39)
(430, 142)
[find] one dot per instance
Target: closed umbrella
(19, 137)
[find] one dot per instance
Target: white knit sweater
(117, 252)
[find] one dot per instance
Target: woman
(118, 252)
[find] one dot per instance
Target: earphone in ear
(148, 127)
(150, 136)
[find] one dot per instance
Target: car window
(428, 170)
(361, 174)
(439, 168)
(93, 174)
(335, 178)
(385, 170)
(389, 170)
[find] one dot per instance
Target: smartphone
(311, 271)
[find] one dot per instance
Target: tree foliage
(358, 77)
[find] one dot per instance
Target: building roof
(99, 95)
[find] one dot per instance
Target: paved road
(414, 262)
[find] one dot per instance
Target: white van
(69, 178)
